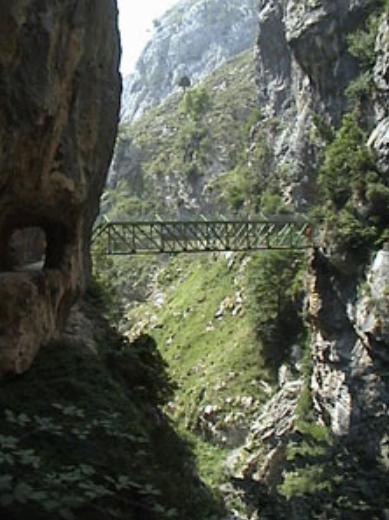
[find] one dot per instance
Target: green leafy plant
(354, 195)
(99, 447)
(276, 287)
(195, 103)
(361, 45)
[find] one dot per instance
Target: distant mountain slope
(182, 158)
(193, 38)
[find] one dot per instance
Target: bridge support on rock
(153, 237)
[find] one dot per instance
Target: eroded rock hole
(27, 249)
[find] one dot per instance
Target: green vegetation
(209, 344)
(276, 289)
(235, 188)
(360, 87)
(82, 436)
(323, 476)
(355, 197)
(184, 83)
(184, 139)
(304, 409)
(195, 103)
(248, 186)
(312, 472)
(361, 44)
(346, 163)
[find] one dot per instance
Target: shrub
(195, 103)
(276, 284)
(346, 159)
(354, 196)
(361, 43)
(360, 87)
(378, 197)
(272, 204)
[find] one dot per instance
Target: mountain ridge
(191, 39)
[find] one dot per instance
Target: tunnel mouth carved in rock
(31, 242)
(27, 249)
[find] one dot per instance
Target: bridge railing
(140, 237)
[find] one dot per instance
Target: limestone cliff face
(350, 332)
(193, 39)
(59, 102)
(303, 68)
(350, 325)
(379, 139)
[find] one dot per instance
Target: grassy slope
(219, 363)
(213, 361)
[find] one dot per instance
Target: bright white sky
(136, 22)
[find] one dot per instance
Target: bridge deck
(129, 238)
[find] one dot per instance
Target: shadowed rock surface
(59, 102)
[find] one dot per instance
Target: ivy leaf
(6, 482)
(22, 492)
(8, 442)
(6, 500)
(28, 458)
(66, 514)
(50, 505)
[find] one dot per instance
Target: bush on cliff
(353, 192)
(276, 288)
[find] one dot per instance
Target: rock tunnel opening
(27, 249)
(34, 246)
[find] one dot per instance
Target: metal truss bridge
(153, 237)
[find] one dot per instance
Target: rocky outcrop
(379, 139)
(349, 315)
(59, 99)
(349, 333)
(303, 68)
(192, 39)
(264, 453)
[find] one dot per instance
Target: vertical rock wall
(59, 104)
(349, 316)
(303, 68)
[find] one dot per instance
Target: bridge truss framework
(153, 237)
